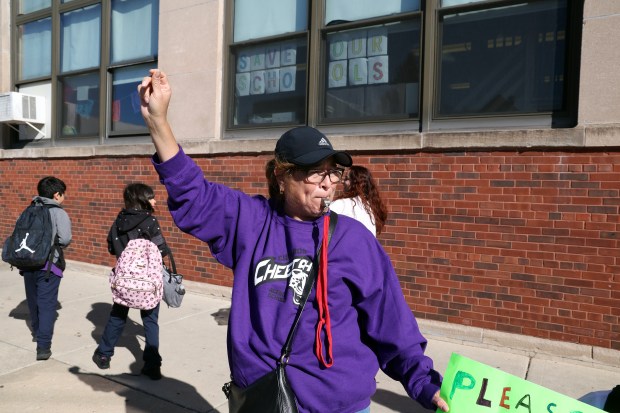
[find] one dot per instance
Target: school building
(492, 127)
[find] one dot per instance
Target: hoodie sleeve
(211, 212)
(390, 324)
(63, 227)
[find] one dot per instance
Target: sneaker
(103, 362)
(44, 353)
(154, 372)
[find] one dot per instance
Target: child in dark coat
(134, 221)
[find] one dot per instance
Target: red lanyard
(321, 298)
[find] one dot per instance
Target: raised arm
(155, 93)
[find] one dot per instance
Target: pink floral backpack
(136, 280)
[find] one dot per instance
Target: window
(270, 78)
(137, 20)
(29, 6)
(80, 52)
(35, 49)
(270, 83)
(104, 49)
(126, 115)
(427, 63)
(511, 61)
(372, 73)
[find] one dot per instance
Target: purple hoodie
(270, 255)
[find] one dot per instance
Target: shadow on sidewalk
(168, 395)
(397, 402)
(129, 339)
(21, 312)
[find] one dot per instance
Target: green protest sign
(472, 387)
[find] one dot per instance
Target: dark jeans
(114, 330)
(42, 297)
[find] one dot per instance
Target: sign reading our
(358, 58)
(264, 70)
(472, 387)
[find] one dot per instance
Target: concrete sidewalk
(193, 347)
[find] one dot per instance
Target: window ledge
(582, 136)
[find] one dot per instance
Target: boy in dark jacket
(41, 289)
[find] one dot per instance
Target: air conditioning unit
(20, 108)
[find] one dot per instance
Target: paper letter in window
(242, 84)
(243, 62)
(272, 81)
(257, 59)
(377, 70)
(337, 74)
(272, 57)
(377, 42)
(288, 54)
(257, 82)
(287, 79)
(357, 44)
(358, 71)
(338, 47)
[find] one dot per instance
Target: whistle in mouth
(326, 202)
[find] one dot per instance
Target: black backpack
(31, 244)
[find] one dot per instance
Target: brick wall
(522, 242)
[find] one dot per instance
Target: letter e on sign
(288, 54)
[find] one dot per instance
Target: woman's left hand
(440, 403)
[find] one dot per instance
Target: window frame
(430, 14)
(565, 119)
(105, 71)
(228, 100)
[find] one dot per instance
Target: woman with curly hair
(361, 199)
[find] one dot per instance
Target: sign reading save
(472, 387)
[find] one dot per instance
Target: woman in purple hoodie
(270, 245)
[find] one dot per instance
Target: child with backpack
(135, 221)
(42, 283)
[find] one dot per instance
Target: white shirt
(353, 207)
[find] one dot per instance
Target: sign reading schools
(472, 387)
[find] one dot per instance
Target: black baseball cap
(306, 146)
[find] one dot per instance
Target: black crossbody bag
(272, 393)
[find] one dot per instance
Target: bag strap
(55, 244)
(286, 350)
(170, 257)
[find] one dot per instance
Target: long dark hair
(137, 196)
(362, 184)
